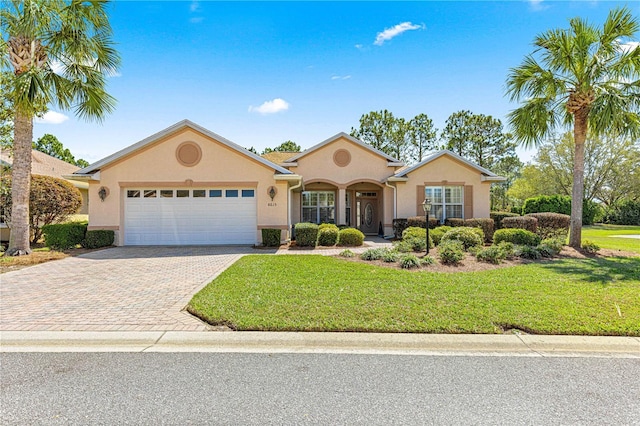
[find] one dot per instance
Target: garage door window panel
(166, 193)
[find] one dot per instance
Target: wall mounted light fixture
(103, 192)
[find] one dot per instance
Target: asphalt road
(287, 389)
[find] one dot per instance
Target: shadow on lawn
(602, 270)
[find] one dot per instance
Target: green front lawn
(593, 296)
(607, 236)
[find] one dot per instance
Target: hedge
(306, 234)
(420, 222)
(399, 225)
(437, 234)
(552, 225)
(560, 204)
(271, 237)
(350, 237)
(625, 212)
(62, 236)
(486, 224)
(454, 221)
(516, 236)
(98, 238)
(469, 237)
(498, 216)
(529, 223)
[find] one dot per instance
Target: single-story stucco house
(46, 165)
(188, 185)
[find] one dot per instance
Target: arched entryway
(364, 204)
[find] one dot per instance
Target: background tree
(6, 113)
(51, 200)
(38, 36)
(287, 146)
(375, 129)
(422, 137)
(509, 167)
(49, 144)
(581, 76)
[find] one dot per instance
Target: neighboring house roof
(43, 164)
(349, 138)
(279, 157)
(490, 176)
(184, 124)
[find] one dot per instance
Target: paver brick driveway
(122, 288)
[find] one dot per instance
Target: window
(248, 193)
(133, 193)
(347, 203)
(215, 193)
(182, 193)
(231, 193)
(166, 193)
(446, 201)
(199, 193)
(319, 207)
(150, 193)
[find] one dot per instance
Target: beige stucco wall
(366, 171)
(443, 171)
(157, 165)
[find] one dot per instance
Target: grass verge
(594, 296)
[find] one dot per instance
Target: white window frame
(317, 207)
(439, 209)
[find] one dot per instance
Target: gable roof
(181, 125)
(489, 175)
(349, 138)
(43, 164)
(279, 157)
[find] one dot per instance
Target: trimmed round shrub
(350, 237)
(271, 237)
(98, 238)
(409, 261)
(486, 224)
(327, 225)
(51, 200)
(399, 225)
(551, 247)
(328, 236)
(417, 238)
(306, 234)
(552, 225)
(450, 252)
(469, 237)
(414, 232)
(516, 236)
(529, 223)
(498, 216)
(436, 234)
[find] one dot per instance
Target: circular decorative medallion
(188, 154)
(342, 158)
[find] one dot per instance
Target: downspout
(395, 199)
(289, 204)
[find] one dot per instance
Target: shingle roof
(279, 157)
(43, 164)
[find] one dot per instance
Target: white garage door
(162, 216)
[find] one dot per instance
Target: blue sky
(260, 73)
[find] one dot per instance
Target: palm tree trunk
(20, 185)
(577, 193)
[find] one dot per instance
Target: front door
(367, 212)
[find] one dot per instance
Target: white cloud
(358, 46)
(271, 107)
(536, 5)
(340, 77)
(628, 46)
(392, 32)
(52, 117)
(194, 6)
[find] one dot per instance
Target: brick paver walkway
(121, 289)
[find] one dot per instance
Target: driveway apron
(122, 288)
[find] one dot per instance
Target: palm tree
(583, 76)
(56, 52)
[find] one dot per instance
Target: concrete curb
(300, 342)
